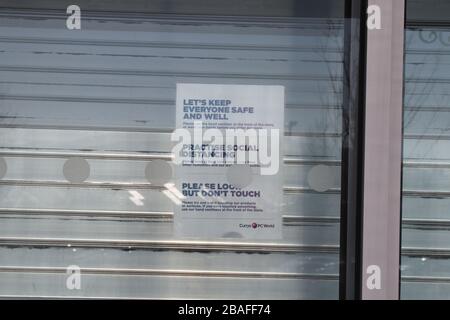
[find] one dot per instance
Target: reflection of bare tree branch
(329, 91)
(334, 101)
(7, 117)
(420, 82)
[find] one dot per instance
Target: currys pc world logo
(255, 225)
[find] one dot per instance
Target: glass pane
(425, 265)
(86, 114)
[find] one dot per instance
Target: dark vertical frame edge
(352, 164)
(401, 172)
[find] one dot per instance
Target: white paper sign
(228, 163)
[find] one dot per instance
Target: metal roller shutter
(426, 170)
(107, 94)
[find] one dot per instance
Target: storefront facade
(94, 204)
